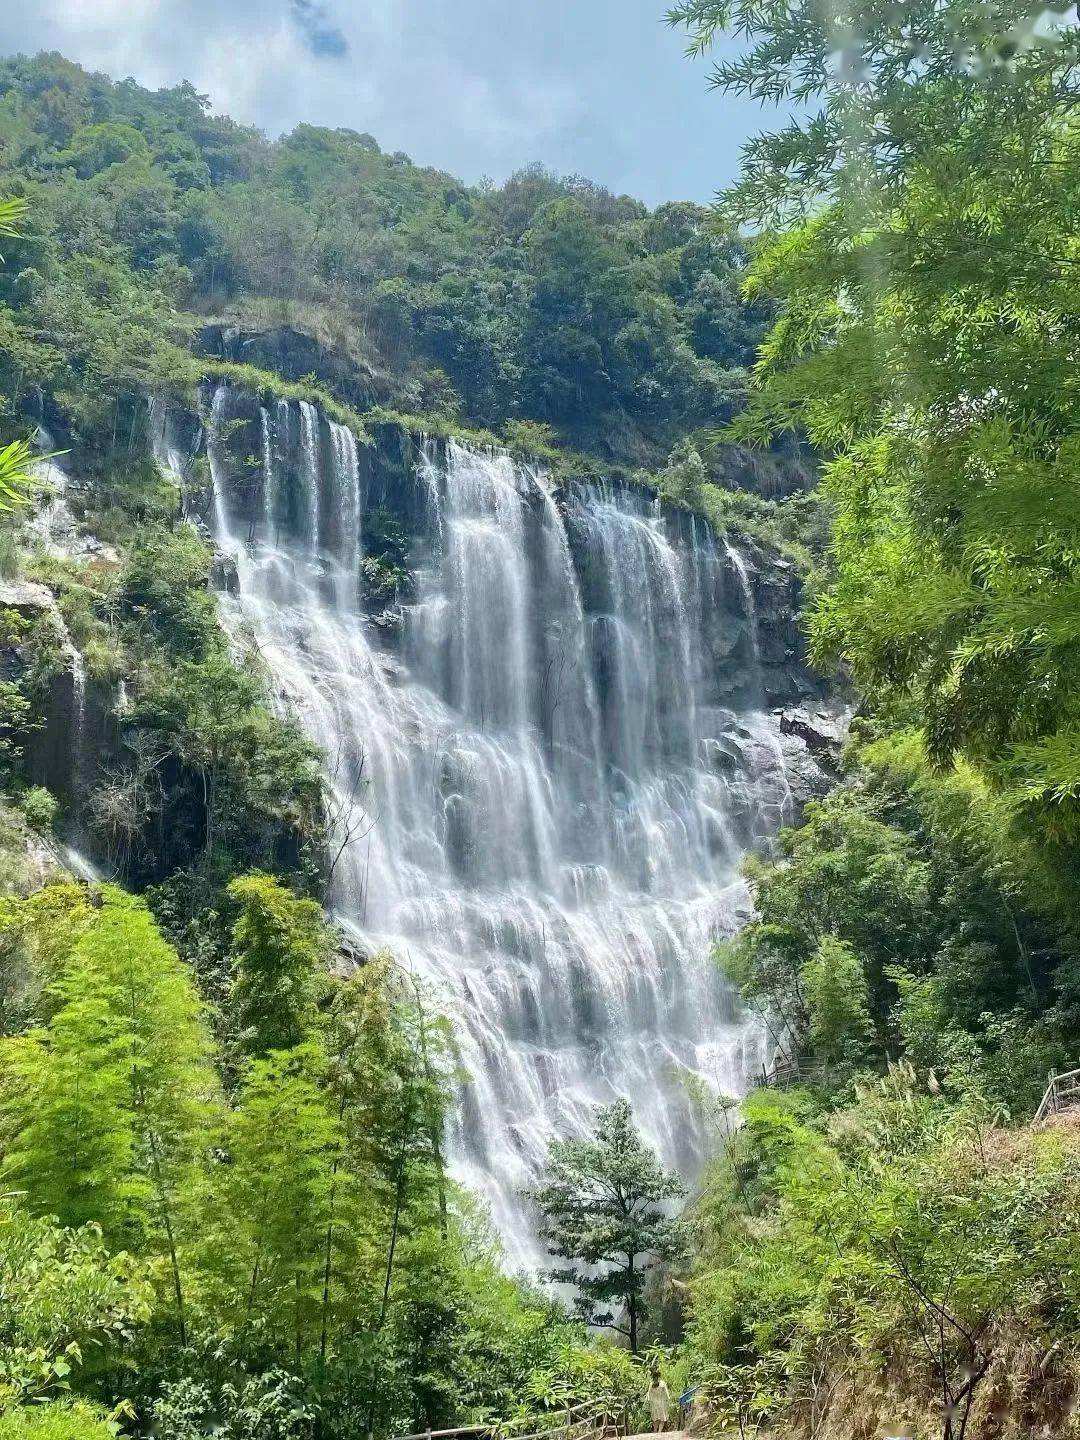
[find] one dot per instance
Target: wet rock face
(51, 750)
(75, 734)
(223, 573)
(50, 746)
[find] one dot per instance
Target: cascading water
(347, 503)
(541, 769)
(309, 421)
(213, 443)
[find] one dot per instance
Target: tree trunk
(399, 1200)
(434, 1138)
(632, 1306)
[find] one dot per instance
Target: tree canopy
(920, 238)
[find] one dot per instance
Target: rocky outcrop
(295, 355)
(812, 737)
(58, 689)
(786, 467)
(822, 730)
(223, 573)
(28, 599)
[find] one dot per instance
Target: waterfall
(80, 866)
(214, 443)
(346, 470)
(78, 717)
(52, 524)
(536, 770)
(309, 440)
(269, 475)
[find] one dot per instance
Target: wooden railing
(1062, 1093)
(577, 1422)
(790, 1072)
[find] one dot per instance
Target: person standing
(659, 1402)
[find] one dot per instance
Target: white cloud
(474, 86)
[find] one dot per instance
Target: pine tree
(601, 1202)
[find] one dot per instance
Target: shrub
(74, 1420)
(40, 808)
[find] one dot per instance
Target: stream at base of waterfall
(536, 764)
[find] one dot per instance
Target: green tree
(601, 1200)
(122, 1088)
(48, 924)
(67, 1093)
(393, 1065)
(96, 147)
(898, 1226)
(837, 1001)
(925, 336)
(65, 1297)
(851, 877)
(280, 950)
(273, 1204)
(172, 1083)
(247, 781)
(57, 1420)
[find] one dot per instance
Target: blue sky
(477, 87)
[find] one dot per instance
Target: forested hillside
(225, 1125)
(548, 301)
